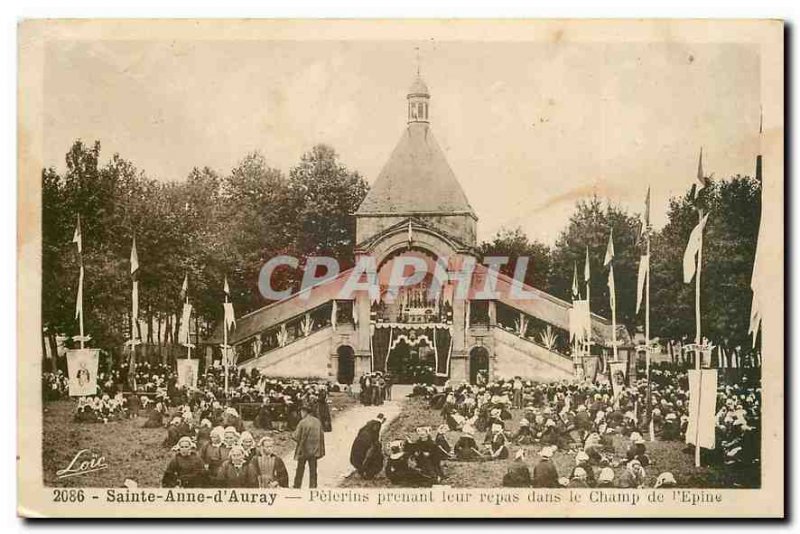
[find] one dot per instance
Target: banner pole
(80, 281)
(588, 354)
(614, 315)
(698, 338)
(225, 351)
(649, 406)
(188, 331)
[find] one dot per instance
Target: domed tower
(417, 183)
(418, 101)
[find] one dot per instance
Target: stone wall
(309, 357)
(462, 227)
(514, 356)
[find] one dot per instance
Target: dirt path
(335, 466)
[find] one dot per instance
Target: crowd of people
(374, 388)
(602, 436)
(599, 432)
(272, 403)
(55, 385)
(227, 456)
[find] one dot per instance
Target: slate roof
(416, 180)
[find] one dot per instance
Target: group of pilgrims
(211, 445)
(274, 403)
(213, 449)
(374, 388)
(601, 436)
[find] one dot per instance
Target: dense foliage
(208, 226)
(734, 208)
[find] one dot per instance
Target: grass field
(665, 456)
(129, 450)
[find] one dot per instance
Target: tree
(207, 226)
(324, 195)
(515, 244)
(729, 241)
(256, 227)
(590, 226)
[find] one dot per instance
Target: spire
(418, 100)
(417, 178)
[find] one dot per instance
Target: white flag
(702, 179)
(186, 318)
(230, 317)
(134, 308)
(575, 290)
(692, 248)
(612, 288)
(134, 258)
(587, 272)
(79, 300)
(185, 286)
(577, 321)
(702, 403)
(76, 237)
(609, 249)
(581, 313)
(759, 280)
(644, 275)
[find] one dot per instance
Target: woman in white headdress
(185, 470)
(214, 452)
(233, 471)
(466, 449)
(266, 469)
(248, 443)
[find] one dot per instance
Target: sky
(529, 128)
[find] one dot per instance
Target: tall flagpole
(588, 305)
(575, 350)
(78, 238)
(225, 344)
(134, 311)
(614, 315)
(81, 297)
(647, 340)
(698, 338)
(188, 324)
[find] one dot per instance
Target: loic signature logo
(82, 463)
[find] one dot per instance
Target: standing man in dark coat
(310, 440)
(323, 409)
(367, 442)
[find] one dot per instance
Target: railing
(522, 325)
(294, 329)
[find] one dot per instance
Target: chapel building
(417, 207)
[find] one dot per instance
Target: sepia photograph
(401, 268)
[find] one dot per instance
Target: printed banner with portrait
(618, 373)
(82, 367)
(187, 372)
